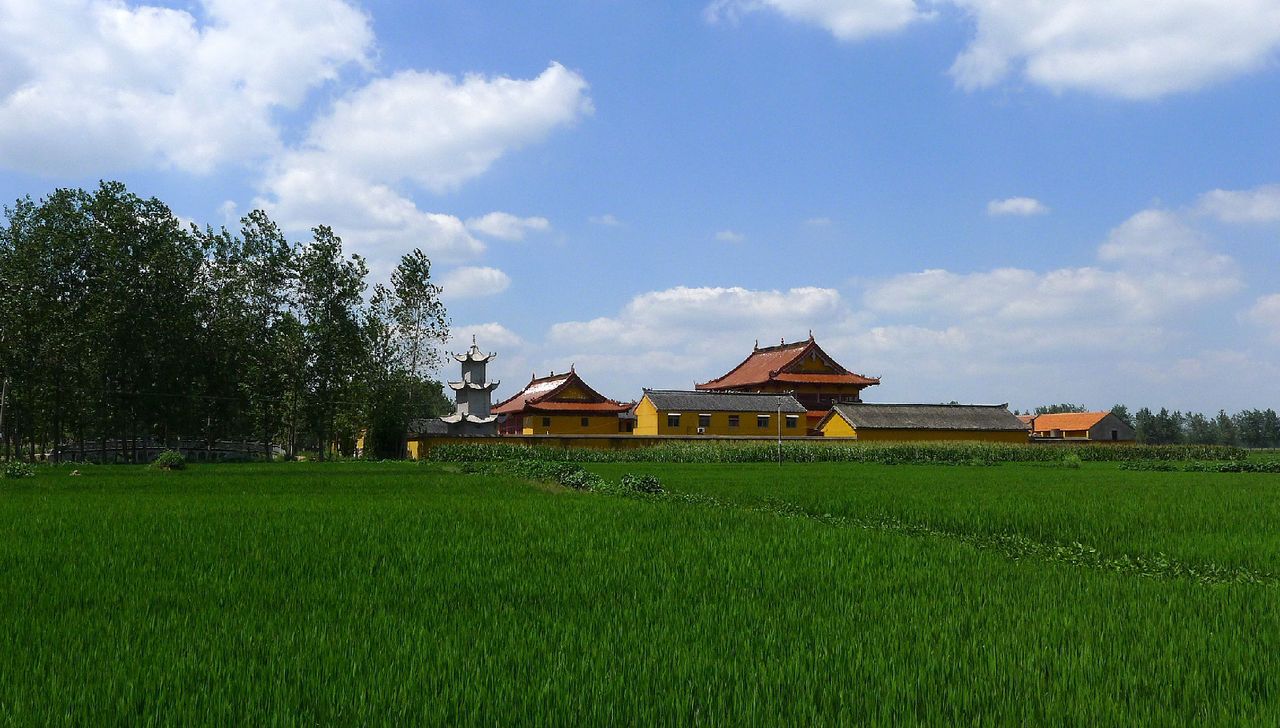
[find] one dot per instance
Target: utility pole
(4, 400)
(779, 431)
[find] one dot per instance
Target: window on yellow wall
(673, 420)
(584, 421)
(733, 421)
(704, 420)
(546, 421)
(793, 421)
(762, 420)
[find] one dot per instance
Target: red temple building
(801, 369)
(562, 404)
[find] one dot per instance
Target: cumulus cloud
(936, 335)
(96, 85)
(1265, 314)
(1126, 48)
(473, 282)
(1018, 206)
(426, 130)
(730, 236)
(668, 337)
(488, 336)
(1133, 49)
(506, 226)
(1158, 263)
(845, 19)
(1260, 204)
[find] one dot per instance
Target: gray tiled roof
(930, 416)
(670, 400)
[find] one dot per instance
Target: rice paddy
(751, 593)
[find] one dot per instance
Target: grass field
(359, 593)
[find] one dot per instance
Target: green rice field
(751, 593)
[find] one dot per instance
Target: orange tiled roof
(1067, 421)
(770, 364)
(540, 395)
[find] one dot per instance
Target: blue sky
(976, 200)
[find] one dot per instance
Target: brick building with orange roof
(1082, 427)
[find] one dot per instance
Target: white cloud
(428, 130)
(730, 236)
(1260, 204)
(1019, 206)
(607, 220)
(1160, 264)
(1127, 48)
(378, 221)
(473, 282)
(88, 86)
(489, 336)
(1265, 314)
(1136, 49)
(699, 315)
(818, 222)
(845, 19)
(671, 337)
(506, 226)
(1089, 333)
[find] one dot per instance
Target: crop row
(925, 453)
(1201, 466)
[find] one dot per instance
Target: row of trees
(120, 324)
(1248, 428)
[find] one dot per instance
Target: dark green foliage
(124, 330)
(1053, 409)
(169, 460)
(1230, 466)
(886, 454)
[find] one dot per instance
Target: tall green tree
(329, 296)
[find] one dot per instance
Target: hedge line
(922, 453)
(566, 474)
(1230, 466)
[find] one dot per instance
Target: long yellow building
(897, 422)
(675, 412)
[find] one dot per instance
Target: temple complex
(562, 404)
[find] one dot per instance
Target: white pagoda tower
(473, 394)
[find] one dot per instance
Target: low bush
(169, 460)
(15, 469)
(641, 483)
(1202, 466)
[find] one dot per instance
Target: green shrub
(15, 469)
(1072, 461)
(1206, 466)
(641, 483)
(169, 460)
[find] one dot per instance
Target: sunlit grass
(303, 594)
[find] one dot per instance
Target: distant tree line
(1246, 428)
(120, 323)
